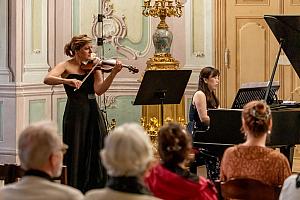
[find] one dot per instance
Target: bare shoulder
(60, 68)
(199, 96)
(62, 64)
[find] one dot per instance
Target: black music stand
(248, 94)
(162, 87)
(286, 29)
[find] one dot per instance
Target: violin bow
(84, 79)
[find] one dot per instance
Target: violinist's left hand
(117, 68)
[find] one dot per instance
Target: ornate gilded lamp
(162, 37)
(162, 60)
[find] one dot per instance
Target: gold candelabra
(162, 38)
(162, 9)
(153, 127)
(111, 125)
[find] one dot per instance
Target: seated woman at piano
(253, 159)
(170, 179)
(204, 99)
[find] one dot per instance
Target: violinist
(84, 127)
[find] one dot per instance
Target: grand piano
(225, 131)
(225, 124)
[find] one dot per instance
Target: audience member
(127, 155)
(291, 188)
(253, 159)
(41, 154)
(171, 179)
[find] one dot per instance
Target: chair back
(4, 173)
(249, 189)
(13, 172)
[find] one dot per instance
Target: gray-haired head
(128, 151)
(36, 143)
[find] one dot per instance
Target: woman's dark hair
(174, 144)
(257, 117)
(211, 100)
(76, 43)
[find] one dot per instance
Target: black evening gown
(84, 130)
(208, 155)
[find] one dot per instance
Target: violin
(105, 66)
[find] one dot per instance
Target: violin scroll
(132, 69)
(112, 62)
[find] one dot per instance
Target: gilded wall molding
(220, 48)
(295, 2)
(252, 3)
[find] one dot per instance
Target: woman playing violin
(84, 127)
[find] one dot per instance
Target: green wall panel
(123, 110)
(37, 110)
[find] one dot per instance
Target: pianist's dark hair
(76, 43)
(211, 100)
(174, 144)
(257, 117)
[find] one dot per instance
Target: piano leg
(288, 151)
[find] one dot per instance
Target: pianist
(253, 159)
(203, 99)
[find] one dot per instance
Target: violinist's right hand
(74, 83)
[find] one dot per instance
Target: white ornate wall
(199, 36)
(7, 88)
(5, 75)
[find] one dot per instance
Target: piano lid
(287, 28)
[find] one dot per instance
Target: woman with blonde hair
(84, 126)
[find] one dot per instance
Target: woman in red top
(171, 179)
